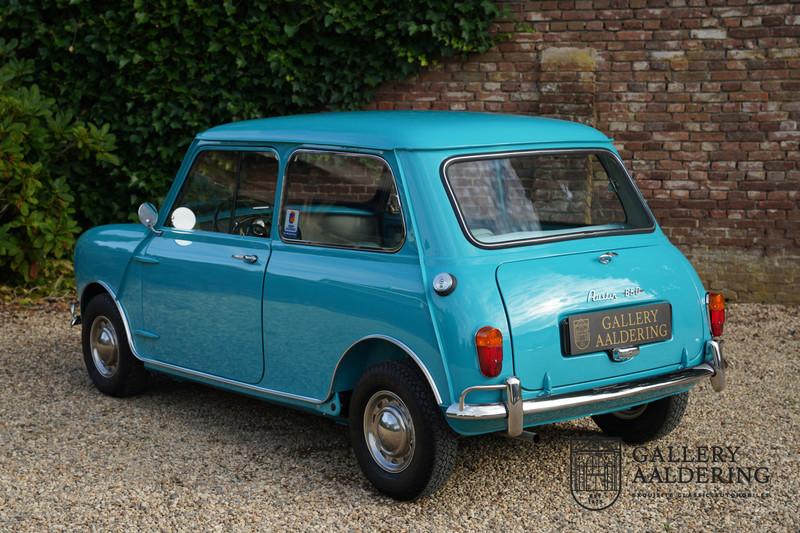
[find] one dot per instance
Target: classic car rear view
(588, 300)
(419, 276)
(599, 297)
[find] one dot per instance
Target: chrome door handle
(607, 257)
(246, 258)
(623, 354)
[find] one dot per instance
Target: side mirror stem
(148, 216)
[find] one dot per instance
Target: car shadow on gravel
(271, 434)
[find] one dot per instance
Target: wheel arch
(91, 290)
(97, 287)
(369, 351)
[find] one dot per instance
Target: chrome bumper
(544, 408)
(74, 309)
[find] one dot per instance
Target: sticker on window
(290, 225)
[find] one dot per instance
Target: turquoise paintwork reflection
(539, 293)
(204, 305)
(321, 300)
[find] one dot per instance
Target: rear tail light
(489, 342)
(716, 312)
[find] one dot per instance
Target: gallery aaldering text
(695, 464)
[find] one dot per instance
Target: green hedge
(157, 72)
(42, 150)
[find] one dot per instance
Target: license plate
(615, 328)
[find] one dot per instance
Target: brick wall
(701, 96)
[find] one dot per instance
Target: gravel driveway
(183, 456)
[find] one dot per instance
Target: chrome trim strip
(610, 396)
(230, 382)
(553, 238)
(146, 334)
(119, 309)
(195, 373)
(408, 352)
(255, 388)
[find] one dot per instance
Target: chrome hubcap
(630, 414)
(104, 346)
(389, 431)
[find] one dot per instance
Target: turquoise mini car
(419, 276)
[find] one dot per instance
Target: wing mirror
(148, 216)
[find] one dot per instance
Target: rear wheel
(111, 366)
(645, 422)
(399, 436)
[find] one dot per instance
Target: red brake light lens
(716, 312)
(489, 342)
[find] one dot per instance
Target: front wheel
(645, 422)
(111, 366)
(399, 436)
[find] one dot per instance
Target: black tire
(128, 376)
(435, 445)
(655, 420)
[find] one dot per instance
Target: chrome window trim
(256, 388)
(344, 153)
(230, 147)
(545, 239)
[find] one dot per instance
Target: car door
(203, 277)
(339, 270)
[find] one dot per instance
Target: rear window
(547, 196)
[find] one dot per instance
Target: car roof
(412, 130)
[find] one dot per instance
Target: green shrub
(42, 151)
(159, 71)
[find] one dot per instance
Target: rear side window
(532, 196)
(228, 192)
(343, 200)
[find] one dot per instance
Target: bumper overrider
(75, 311)
(520, 413)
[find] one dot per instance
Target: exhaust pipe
(530, 436)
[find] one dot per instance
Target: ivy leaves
(158, 72)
